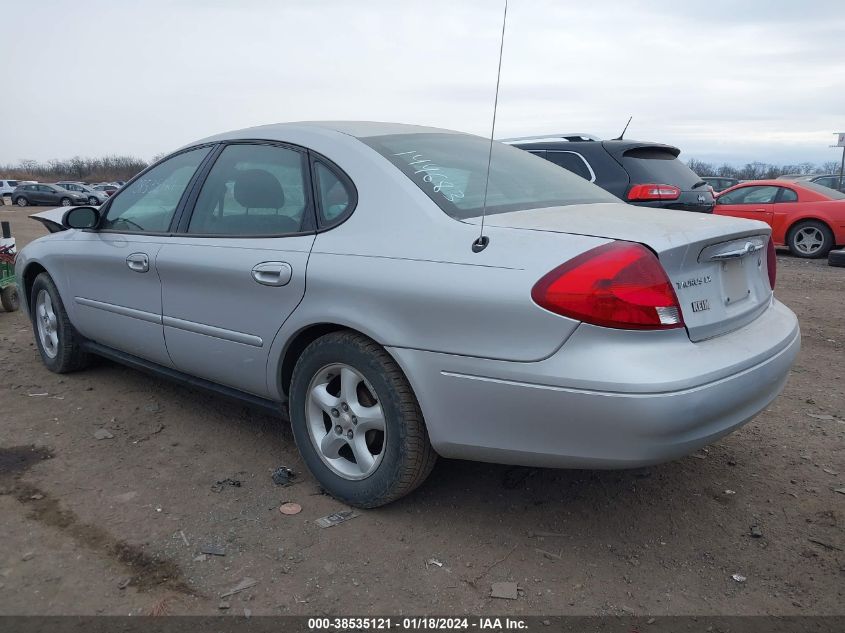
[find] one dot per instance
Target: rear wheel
(10, 299)
(21, 201)
(57, 340)
(836, 258)
(810, 239)
(356, 421)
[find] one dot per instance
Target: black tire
(66, 202)
(795, 231)
(10, 299)
(69, 354)
(407, 457)
(21, 201)
(836, 258)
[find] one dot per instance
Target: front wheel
(57, 340)
(66, 202)
(93, 201)
(356, 421)
(810, 239)
(21, 201)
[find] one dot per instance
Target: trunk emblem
(701, 198)
(697, 281)
(701, 306)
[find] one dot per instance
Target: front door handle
(139, 262)
(272, 273)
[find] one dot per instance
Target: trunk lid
(717, 265)
(52, 218)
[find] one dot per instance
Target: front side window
(334, 197)
(252, 190)
(451, 169)
(750, 195)
(148, 204)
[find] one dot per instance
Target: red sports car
(806, 217)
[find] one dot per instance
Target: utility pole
(840, 142)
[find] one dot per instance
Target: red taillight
(619, 285)
(654, 192)
(772, 263)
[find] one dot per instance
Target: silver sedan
(345, 271)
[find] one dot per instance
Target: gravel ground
(117, 525)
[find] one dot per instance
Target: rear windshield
(659, 166)
(451, 170)
(833, 194)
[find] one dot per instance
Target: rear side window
(451, 169)
(787, 195)
(658, 165)
(572, 161)
(334, 197)
(252, 190)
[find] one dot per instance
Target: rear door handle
(139, 262)
(272, 273)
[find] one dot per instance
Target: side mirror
(81, 218)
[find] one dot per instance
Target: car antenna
(625, 129)
(481, 243)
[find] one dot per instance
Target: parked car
(95, 197)
(805, 216)
(645, 174)
(825, 180)
(7, 187)
(41, 194)
(106, 188)
(720, 183)
(360, 290)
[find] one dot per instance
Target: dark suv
(647, 174)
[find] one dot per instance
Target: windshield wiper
(698, 184)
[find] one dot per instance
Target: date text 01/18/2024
(416, 623)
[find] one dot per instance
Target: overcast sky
(724, 81)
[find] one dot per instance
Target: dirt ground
(116, 525)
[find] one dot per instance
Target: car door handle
(272, 273)
(139, 262)
(760, 210)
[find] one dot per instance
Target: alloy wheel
(45, 318)
(808, 240)
(345, 421)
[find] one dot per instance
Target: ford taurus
(342, 268)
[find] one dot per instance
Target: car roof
(280, 131)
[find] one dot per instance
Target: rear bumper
(607, 398)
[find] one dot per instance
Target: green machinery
(9, 297)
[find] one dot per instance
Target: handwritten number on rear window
(432, 173)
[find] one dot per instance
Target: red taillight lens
(619, 285)
(654, 192)
(772, 263)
